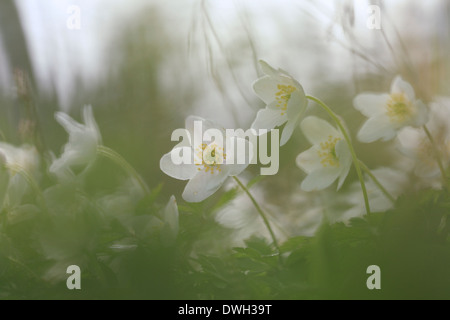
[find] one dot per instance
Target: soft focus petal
(205, 125)
(178, 171)
(317, 130)
(4, 179)
(242, 159)
(427, 169)
(203, 185)
(378, 127)
(266, 88)
(267, 69)
(309, 160)
(370, 104)
(69, 124)
(345, 161)
(171, 217)
(410, 140)
(89, 120)
(400, 86)
(268, 119)
(297, 103)
(320, 179)
(81, 149)
(422, 114)
(288, 130)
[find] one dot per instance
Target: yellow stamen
(399, 108)
(283, 96)
(212, 157)
(328, 152)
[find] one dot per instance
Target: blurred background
(146, 65)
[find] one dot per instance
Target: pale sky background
(60, 55)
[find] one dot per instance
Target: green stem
(436, 153)
(350, 146)
(261, 213)
(119, 160)
(375, 180)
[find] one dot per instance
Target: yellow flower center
(327, 152)
(212, 157)
(399, 108)
(283, 96)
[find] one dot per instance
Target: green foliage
(121, 259)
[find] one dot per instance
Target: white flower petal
(178, 171)
(89, 120)
(81, 149)
(345, 161)
(320, 179)
(206, 125)
(400, 86)
(242, 159)
(267, 69)
(4, 179)
(422, 114)
(370, 104)
(68, 123)
(317, 130)
(297, 103)
(171, 217)
(288, 130)
(203, 185)
(378, 127)
(426, 169)
(309, 160)
(268, 119)
(266, 88)
(410, 139)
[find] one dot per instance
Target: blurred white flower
(394, 181)
(328, 159)
(415, 144)
(24, 158)
(81, 149)
(122, 203)
(142, 227)
(4, 178)
(240, 216)
(284, 98)
(297, 214)
(210, 166)
(388, 113)
(169, 217)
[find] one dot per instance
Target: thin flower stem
(377, 182)
(436, 153)
(261, 213)
(119, 160)
(350, 146)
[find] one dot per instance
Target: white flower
(328, 159)
(284, 98)
(24, 158)
(394, 181)
(388, 113)
(209, 166)
(164, 224)
(81, 150)
(169, 218)
(415, 144)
